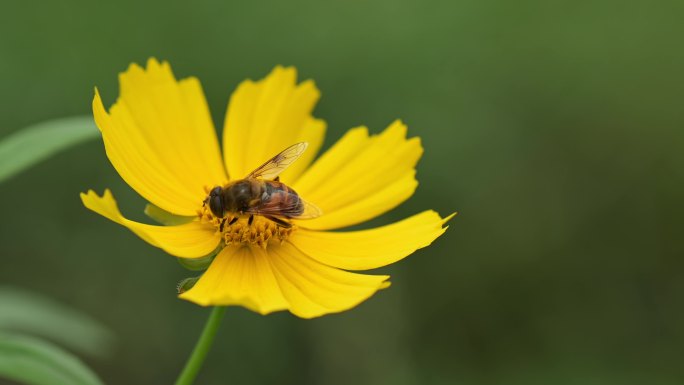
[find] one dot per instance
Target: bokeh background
(555, 128)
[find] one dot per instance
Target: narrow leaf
(31, 361)
(24, 148)
(35, 314)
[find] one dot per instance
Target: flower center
(243, 230)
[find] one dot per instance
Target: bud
(186, 284)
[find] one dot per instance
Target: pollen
(240, 230)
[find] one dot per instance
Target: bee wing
(310, 211)
(290, 209)
(280, 162)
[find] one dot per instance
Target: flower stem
(202, 347)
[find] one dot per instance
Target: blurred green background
(555, 128)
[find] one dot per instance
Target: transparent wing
(280, 162)
(296, 208)
(310, 211)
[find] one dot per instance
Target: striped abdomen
(279, 199)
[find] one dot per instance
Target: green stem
(202, 347)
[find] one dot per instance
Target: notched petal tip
(397, 126)
(154, 62)
(309, 86)
(284, 70)
(132, 69)
(99, 204)
(151, 62)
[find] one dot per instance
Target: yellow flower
(160, 138)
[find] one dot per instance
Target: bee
(262, 193)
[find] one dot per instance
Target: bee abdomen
(285, 199)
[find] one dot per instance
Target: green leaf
(35, 314)
(164, 217)
(31, 361)
(36, 143)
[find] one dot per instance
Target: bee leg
(251, 219)
(278, 221)
(233, 220)
(223, 222)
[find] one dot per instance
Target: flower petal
(281, 278)
(370, 249)
(314, 289)
(160, 138)
(191, 240)
(267, 116)
(361, 177)
(239, 276)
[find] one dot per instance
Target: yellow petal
(191, 240)
(361, 177)
(314, 289)
(160, 138)
(281, 278)
(370, 249)
(267, 116)
(240, 276)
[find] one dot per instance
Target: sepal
(164, 217)
(186, 284)
(202, 263)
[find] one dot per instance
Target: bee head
(216, 202)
